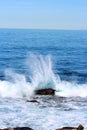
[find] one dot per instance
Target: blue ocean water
(67, 48)
(32, 59)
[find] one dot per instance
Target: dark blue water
(67, 48)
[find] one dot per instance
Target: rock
(18, 128)
(33, 100)
(80, 127)
(23, 128)
(7, 129)
(48, 91)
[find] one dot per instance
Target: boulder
(18, 128)
(80, 127)
(48, 91)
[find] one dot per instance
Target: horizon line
(42, 29)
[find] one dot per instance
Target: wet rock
(33, 100)
(80, 127)
(23, 128)
(18, 128)
(45, 92)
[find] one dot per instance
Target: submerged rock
(48, 91)
(33, 100)
(80, 127)
(18, 128)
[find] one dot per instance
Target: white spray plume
(41, 73)
(16, 86)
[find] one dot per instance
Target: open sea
(38, 59)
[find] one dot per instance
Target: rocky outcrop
(80, 127)
(45, 92)
(18, 128)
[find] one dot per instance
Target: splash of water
(41, 76)
(16, 85)
(41, 73)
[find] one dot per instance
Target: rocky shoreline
(48, 91)
(80, 127)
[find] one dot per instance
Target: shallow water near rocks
(50, 113)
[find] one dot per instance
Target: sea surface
(37, 59)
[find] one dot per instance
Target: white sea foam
(17, 86)
(41, 76)
(71, 89)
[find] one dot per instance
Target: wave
(41, 75)
(15, 85)
(71, 89)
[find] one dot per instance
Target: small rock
(32, 100)
(7, 129)
(23, 128)
(18, 128)
(80, 127)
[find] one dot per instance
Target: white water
(71, 89)
(16, 86)
(41, 76)
(40, 72)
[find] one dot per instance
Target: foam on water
(71, 89)
(16, 86)
(41, 76)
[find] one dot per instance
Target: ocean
(37, 59)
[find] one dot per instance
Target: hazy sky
(43, 14)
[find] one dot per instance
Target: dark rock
(45, 92)
(7, 129)
(18, 128)
(80, 127)
(33, 100)
(23, 128)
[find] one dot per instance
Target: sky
(44, 14)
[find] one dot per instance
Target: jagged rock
(18, 128)
(45, 91)
(80, 127)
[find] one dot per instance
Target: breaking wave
(41, 76)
